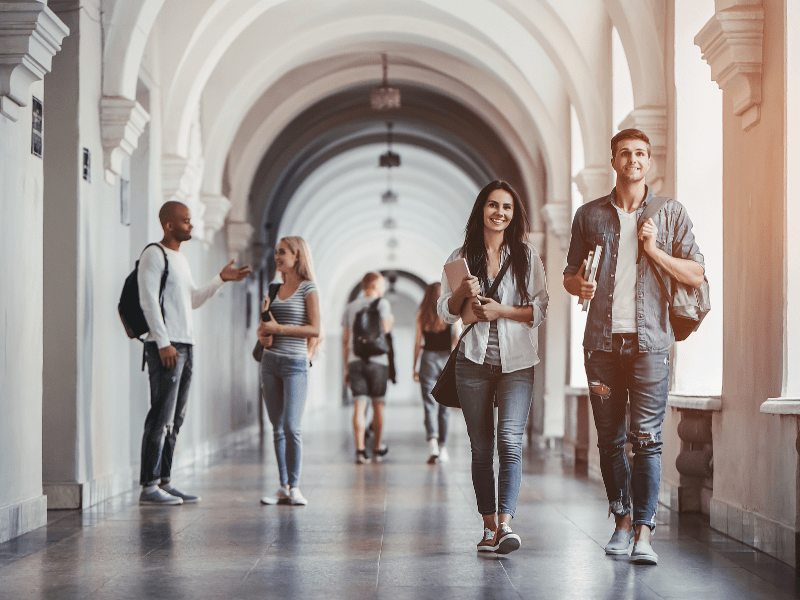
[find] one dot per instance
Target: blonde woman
(439, 339)
(289, 335)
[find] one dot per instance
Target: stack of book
(590, 273)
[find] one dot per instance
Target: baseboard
(71, 495)
(755, 530)
(22, 517)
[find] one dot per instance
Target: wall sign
(125, 201)
(87, 165)
(36, 127)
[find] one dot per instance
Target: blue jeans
(169, 391)
(478, 386)
(643, 378)
(284, 381)
(430, 367)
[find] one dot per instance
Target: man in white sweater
(168, 348)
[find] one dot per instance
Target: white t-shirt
(384, 309)
(180, 296)
(623, 310)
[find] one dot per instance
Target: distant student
(496, 357)
(439, 339)
(365, 351)
(295, 319)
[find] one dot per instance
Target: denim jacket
(597, 223)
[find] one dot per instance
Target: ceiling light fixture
(384, 97)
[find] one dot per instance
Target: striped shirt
(291, 311)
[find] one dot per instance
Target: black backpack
(130, 310)
(369, 338)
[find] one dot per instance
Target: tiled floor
(397, 530)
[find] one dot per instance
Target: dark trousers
(169, 391)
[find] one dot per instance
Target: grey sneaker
(505, 540)
(297, 498)
(619, 542)
(362, 457)
(643, 554)
(187, 498)
(159, 497)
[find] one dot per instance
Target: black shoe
(362, 457)
(378, 454)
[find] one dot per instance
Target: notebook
(456, 271)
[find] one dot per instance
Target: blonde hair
(427, 316)
(370, 279)
(305, 264)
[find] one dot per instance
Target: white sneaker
(281, 497)
(433, 447)
(297, 498)
(444, 456)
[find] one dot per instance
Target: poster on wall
(36, 127)
(124, 201)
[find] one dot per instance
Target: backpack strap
(655, 205)
(162, 286)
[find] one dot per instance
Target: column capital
(594, 182)
(731, 43)
(31, 35)
(239, 233)
(217, 209)
(557, 215)
(122, 121)
(653, 121)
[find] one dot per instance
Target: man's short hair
(168, 211)
(369, 280)
(629, 134)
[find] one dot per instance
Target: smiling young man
(628, 333)
(168, 348)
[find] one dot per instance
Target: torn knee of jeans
(643, 438)
(598, 388)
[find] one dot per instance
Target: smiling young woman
(497, 356)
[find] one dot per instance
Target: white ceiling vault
(289, 144)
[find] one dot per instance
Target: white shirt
(623, 309)
(180, 296)
(519, 342)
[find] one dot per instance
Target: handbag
(688, 306)
(258, 349)
(445, 392)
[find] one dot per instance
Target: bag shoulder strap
(490, 293)
(272, 291)
(656, 204)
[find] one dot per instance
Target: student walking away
(168, 348)
(367, 321)
(289, 330)
(495, 363)
(439, 339)
(628, 334)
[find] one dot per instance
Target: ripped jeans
(643, 378)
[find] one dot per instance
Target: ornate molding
(31, 36)
(653, 121)
(239, 233)
(558, 219)
(732, 45)
(217, 208)
(594, 182)
(122, 121)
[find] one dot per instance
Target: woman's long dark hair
(516, 234)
